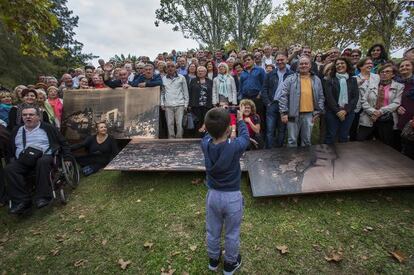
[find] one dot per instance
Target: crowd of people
(283, 94)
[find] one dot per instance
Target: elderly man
(306, 51)
(174, 100)
(267, 57)
(182, 66)
(148, 78)
(34, 136)
(66, 83)
(301, 101)
(122, 80)
(131, 73)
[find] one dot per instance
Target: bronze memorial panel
(130, 113)
(323, 168)
(179, 155)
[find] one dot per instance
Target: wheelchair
(64, 173)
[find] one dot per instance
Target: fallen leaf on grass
(196, 181)
(81, 217)
(104, 242)
(198, 213)
(152, 189)
(124, 264)
(364, 257)
(138, 200)
(338, 213)
(170, 271)
(185, 273)
(54, 252)
(148, 245)
(398, 255)
(368, 228)
(80, 263)
(60, 238)
(339, 200)
(193, 247)
(4, 239)
(388, 198)
(40, 258)
(175, 253)
(283, 249)
(317, 247)
(407, 211)
(335, 256)
(35, 232)
(295, 199)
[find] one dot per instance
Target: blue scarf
(4, 112)
(343, 89)
(222, 88)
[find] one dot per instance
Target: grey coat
(369, 100)
(290, 96)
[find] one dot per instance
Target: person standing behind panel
(379, 107)
(272, 87)
(342, 94)
(301, 102)
(174, 100)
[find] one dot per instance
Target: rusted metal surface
(178, 155)
(322, 168)
(130, 113)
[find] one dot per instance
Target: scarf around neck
(222, 88)
(343, 89)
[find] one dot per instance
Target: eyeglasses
(30, 115)
(386, 72)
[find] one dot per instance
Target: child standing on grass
(224, 202)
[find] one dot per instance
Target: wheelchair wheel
(71, 171)
(63, 199)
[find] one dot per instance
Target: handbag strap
(24, 138)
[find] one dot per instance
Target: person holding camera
(32, 145)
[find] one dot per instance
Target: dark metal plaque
(323, 168)
(129, 113)
(178, 155)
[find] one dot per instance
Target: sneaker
(230, 268)
(213, 264)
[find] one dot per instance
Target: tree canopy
(322, 24)
(37, 37)
(214, 22)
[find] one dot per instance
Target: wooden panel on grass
(130, 113)
(323, 168)
(178, 155)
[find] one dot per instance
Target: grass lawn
(156, 221)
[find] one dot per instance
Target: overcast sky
(108, 27)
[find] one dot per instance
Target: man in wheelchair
(32, 145)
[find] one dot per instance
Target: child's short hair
(217, 121)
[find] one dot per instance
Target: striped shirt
(36, 138)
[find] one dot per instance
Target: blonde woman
(224, 87)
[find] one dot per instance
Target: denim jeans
(174, 114)
(223, 209)
(273, 122)
(302, 124)
(334, 127)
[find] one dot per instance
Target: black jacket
(331, 92)
(56, 140)
(194, 92)
(270, 85)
